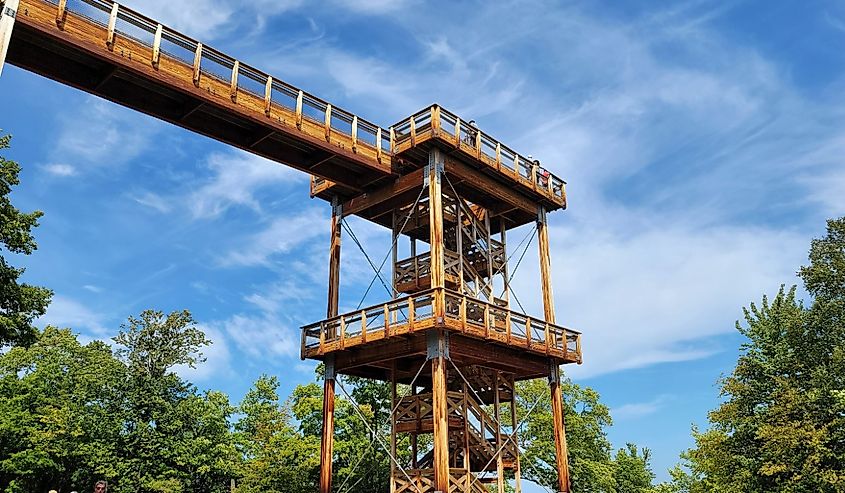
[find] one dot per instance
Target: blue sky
(702, 142)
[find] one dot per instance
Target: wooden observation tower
(448, 334)
(448, 191)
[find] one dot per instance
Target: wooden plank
(61, 13)
(517, 473)
(354, 133)
(546, 273)
(500, 466)
(435, 204)
(328, 122)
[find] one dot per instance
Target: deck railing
(440, 307)
(438, 122)
(275, 97)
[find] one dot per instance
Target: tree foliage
(781, 427)
(20, 303)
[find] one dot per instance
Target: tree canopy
(20, 303)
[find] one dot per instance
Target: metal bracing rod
(392, 413)
(369, 261)
(390, 250)
(356, 406)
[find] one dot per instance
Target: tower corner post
(438, 353)
(558, 417)
(334, 259)
(435, 195)
(327, 441)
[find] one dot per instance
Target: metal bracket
(437, 344)
(9, 11)
(554, 371)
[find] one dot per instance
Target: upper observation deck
(121, 55)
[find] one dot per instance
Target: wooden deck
(465, 315)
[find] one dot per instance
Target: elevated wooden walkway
(116, 53)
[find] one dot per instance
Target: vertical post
(327, 442)
(393, 427)
(517, 473)
(334, 259)
(438, 352)
(561, 450)
(505, 274)
(395, 237)
(7, 21)
(112, 24)
(545, 265)
(500, 465)
(435, 204)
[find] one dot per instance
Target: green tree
(632, 470)
(277, 458)
(20, 303)
(781, 427)
(60, 422)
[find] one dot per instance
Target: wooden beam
(490, 186)
(334, 260)
(500, 465)
(517, 472)
(327, 441)
(558, 417)
(401, 185)
(7, 23)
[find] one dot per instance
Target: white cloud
(638, 410)
(218, 358)
(66, 312)
(237, 177)
(92, 288)
(60, 169)
(281, 236)
(153, 201)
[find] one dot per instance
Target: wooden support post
(327, 442)
(505, 274)
(334, 259)
(393, 427)
(435, 203)
(517, 472)
(354, 133)
(395, 251)
(299, 97)
(438, 352)
(7, 22)
(561, 451)
(545, 265)
(500, 465)
(378, 144)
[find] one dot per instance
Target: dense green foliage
(20, 303)
(781, 427)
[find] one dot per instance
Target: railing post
(457, 132)
(327, 123)
(363, 326)
(268, 95)
(386, 321)
(411, 314)
(378, 144)
(7, 22)
(115, 8)
(354, 133)
(61, 13)
(342, 333)
(435, 121)
(157, 46)
(528, 332)
(233, 85)
(392, 140)
(413, 131)
(299, 98)
(198, 64)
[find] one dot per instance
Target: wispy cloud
(280, 237)
(66, 312)
(236, 177)
(638, 410)
(60, 169)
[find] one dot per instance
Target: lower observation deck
(397, 328)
